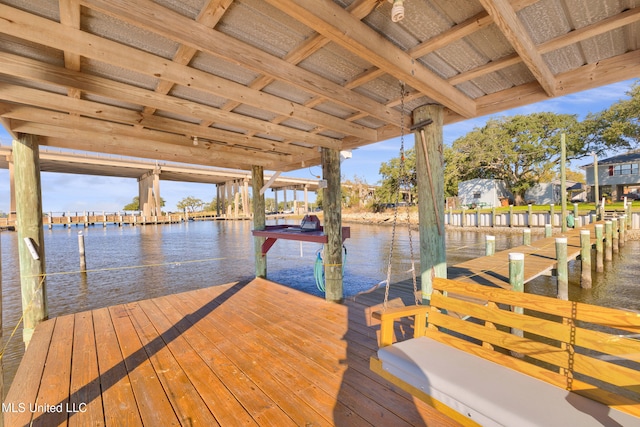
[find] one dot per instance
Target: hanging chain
(402, 183)
(407, 186)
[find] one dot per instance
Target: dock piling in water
(585, 258)
(563, 268)
(599, 248)
(490, 245)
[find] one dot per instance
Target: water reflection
(132, 263)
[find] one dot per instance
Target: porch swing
(476, 373)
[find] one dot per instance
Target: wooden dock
(249, 353)
(540, 259)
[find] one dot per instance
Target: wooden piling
(430, 170)
(526, 236)
(548, 230)
(608, 241)
(259, 219)
(552, 215)
(490, 245)
(623, 234)
(529, 216)
(585, 259)
(576, 215)
(516, 279)
(615, 236)
(332, 225)
(563, 268)
(30, 233)
(599, 248)
(83, 259)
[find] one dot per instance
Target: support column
(306, 198)
(430, 172)
(149, 193)
(332, 225)
(30, 229)
(259, 218)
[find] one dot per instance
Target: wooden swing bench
(480, 362)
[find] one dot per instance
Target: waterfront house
(618, 176)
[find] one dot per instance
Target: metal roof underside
(236, 83)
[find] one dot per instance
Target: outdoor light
(397, 10)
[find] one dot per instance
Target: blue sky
(77, 193)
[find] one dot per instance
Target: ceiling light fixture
(397, 10)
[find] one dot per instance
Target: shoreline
(386, 219)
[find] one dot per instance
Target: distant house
(617, 176)
(483, 192)
(546, 193)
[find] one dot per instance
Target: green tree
(190, 203)
(617, 127)
(135, 204)
(518, 150)
(393, 178)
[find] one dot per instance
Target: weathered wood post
(615, 236)
(623, 227)
(563, 268)
(430, 173)
(81, 252)
(463, 217)
(450, 216)
(548, 231)
(331, 202)
(529, 215)
(477, 217)
(490, 245)
(493, 216)
(599, 248)
(526, 236)
(30, 233)
(552, 215)
(259, 218)
(585, 259)
(576, 215)
(608, 241)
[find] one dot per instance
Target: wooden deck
(540, 259)
(252, 353)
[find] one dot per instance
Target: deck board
(252, 353)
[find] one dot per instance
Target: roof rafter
(342, 28)
(505, 18)
(37, 71)
(155, 18)
(54, 35)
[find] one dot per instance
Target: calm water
(131, 263)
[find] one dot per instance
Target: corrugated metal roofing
(269, 82)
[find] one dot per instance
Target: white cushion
(491, 394)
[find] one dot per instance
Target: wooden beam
(332, 202)
(259, 218)
(38, 71)
(64, 120)
(160, 20)
(335, 23)
(142, 148)
(43, 31)
(505, 18)
(576, 36)
(52, 101)
(266, 186)
(590, 76)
